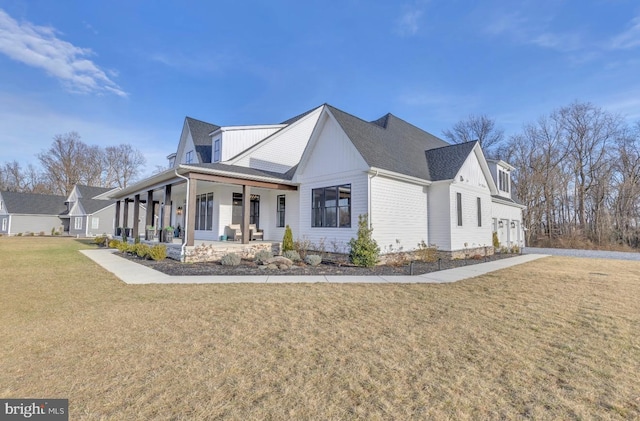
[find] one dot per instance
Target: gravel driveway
(599, 254)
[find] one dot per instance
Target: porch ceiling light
(501, 224)
(513, 224)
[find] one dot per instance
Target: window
(479, 202)
(77, 223)
(331, 206)
(254, 209)
(204, 212)
(459, 208)
(4, 224)
(188, 159)
(95, 223)
(216, 150)
(280, 211)
(1, 204)
(503, 181)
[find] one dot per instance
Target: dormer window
(503, 181)
(188, 159)
(172, 160)
(216, 150)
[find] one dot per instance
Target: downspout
(186, 217)
(369, 217)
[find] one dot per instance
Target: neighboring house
(23, 213)
(321, 169)
(90, 212)
(86, 212)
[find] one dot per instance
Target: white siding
(440, 215)
(268, 203)
(506, 235)
(359, 206)
(187, 146)
(472, 186)
(330, 160)
(398, 212)
(237, 141)
(292, 139)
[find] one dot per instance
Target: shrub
(396, 257)
(31, 234)
(101, 240)
(142, 250)
(113, 244)
(41, 233)
(53, 231)
(230, 259)
(364, 249)
(56, 233)
(515, 250)
(287, 240)
(158, 252)
(122, 246)
(262, 256)
(19, 234)
(426, 253)
(292, 255)
(313, 259)
(496, 242)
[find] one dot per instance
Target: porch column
(125, 216)
(166, 214)
(136, 215)
(246, 206)
(150, 210)
(117, 221)
(191, 213)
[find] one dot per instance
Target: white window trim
(95, 222)
(77, 223)
(4, 224)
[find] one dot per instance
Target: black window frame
(479, 204)
(331, 206)
(188, 158)
(204, 212)
(281, 205)
(217, 150)
(459, 208)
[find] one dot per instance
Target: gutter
(186, 218)
(369, 218)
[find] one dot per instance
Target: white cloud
(629, 38)
(39, 46)
(409, 23)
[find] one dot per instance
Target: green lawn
(557, 338)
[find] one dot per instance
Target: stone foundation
(214, 252)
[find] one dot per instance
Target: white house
(318, 171)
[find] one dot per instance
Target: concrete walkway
(134, 273)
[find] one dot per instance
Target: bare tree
(476, 127)
(70, 161)
(123, 164)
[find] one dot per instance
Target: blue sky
(130, 71)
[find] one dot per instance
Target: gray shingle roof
(92, 206)
(445, 162)
(89, 192)
(33, 204)
(390, 143)
(200, 134)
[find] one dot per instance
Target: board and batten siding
(331, 160)
(234, 142)
(292, 140)
(185, 147)
(398, 212)
(472, 184)
(506, 235)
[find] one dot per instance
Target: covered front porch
(201, 206)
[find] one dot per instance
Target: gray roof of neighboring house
(444, 163)
(244, 170)
(89, 192)
(92, 206)
(390, 143)
(33, 204)
(200, 134)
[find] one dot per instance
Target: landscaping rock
(279, 260)
(272, 266)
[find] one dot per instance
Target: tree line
(70, 161)
(577, 171)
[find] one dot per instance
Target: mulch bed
(247, 267)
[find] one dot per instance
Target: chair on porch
(233, 232)
(256, 234)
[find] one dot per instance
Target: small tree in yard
(364, 249)
(287, 240)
